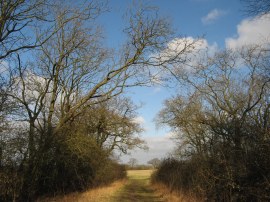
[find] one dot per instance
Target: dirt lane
(138, 188)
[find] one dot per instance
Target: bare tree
(17, 17)
(74, 72)
(133, 162)
(71, 73)
(256, 7)
(112, 125)
(154, 162)
(222, 119)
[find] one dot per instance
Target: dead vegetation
(174, 196)
(100, 194)
(222, 128)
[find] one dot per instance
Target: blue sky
(221, 22)
(185, 15)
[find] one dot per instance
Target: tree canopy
(61, 104)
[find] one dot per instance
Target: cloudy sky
(223, 25)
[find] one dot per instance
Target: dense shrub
(10, 184)
(78, 163)
(222, 127)
(110, 172)
(69, 163)
(177, 175)
(220, 179)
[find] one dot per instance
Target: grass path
(138, 188)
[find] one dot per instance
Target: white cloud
(190, 47)
(251, 31)
(159, 147)
(200, 50)
(160, 143)
(156, 90)
(34, 85)
(193, 50)
(197, 48)
(139, 120)
(186, 53)
(213, 15)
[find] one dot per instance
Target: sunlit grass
(101, 194)
(173, 196)
(136, 188)
(139, 174)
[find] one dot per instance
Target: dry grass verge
(136, 188)
(173, 196)
(100, 194)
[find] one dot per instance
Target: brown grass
(136, 188)
(140, 174)
(101, 194)
(173, 196)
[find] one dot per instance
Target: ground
(136, 188)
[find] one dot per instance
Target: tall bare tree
(17, 19)
(256, 8)
(70, 72)
(223, 120)
(74, 72)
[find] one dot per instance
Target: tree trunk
(29, 179)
